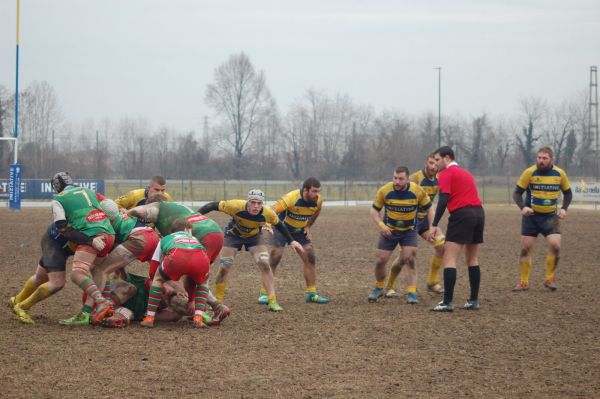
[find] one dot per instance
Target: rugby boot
(12, 301)
(274, 306)
(263, 298)
(375, 294)
(435, 288)
(221, 313)
(443, 307)
(471, 305)
(199, 321)
(313, 297)
(148, 322)
(101, 311)
(80, 319)
(391, 293)
(23, 315)
(411, 298)
(521, 286)
(550, 284)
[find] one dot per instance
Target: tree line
(321, 134)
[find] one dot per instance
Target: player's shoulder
(417, 176)
(560, 170)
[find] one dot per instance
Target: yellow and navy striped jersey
(401, 206)
(295, 212)
(136, 198)
(543, 187)
(242, 223)
(430, 186)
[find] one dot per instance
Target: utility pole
(439, 127)
(593, 117)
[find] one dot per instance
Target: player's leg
(228, 255)
(261, 258)
(435, 265)
(451, 252)
(408, 257)
(309, 260)
(472, 258)
(385, 247)
(527, 243)
(395, 270)
(553, 241)
(154, 298)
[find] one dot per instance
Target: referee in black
(458, 193)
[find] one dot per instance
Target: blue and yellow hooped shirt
(242, 223)
(295, 212)
(430, 186)
(543, 188)
(401, 206)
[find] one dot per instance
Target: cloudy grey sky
(154, 58)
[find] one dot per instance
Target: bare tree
(532, 110)
(240, 95)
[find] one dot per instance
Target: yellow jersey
(401, 206)
(543, 188)
(429, 185)
(242, 223)
(295, 212)
(135, 198)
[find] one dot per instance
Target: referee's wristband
(381, 224)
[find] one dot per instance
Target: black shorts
(55, 251)
(539, 223)
(280, 241)
(465, 225)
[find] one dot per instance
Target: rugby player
(133, 198)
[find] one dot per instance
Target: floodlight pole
(439, 127)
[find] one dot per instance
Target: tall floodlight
(14, 185)
(593, 117)
(439, 126)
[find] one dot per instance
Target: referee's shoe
(443, 307)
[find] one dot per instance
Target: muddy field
(524, 345)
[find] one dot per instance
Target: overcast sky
(154, 58)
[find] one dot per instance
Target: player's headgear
(256, 195)
(61, 180)
(110, 207)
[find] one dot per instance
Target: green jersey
(138, 303)
(180, 239)
(123, 225)
(170, 211)
(83, 212)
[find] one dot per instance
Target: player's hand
(98, 243)
(562, 213)
(386, 231)
(433, 232)
(307, 233)
(297, 246)
(526, 211)
(268, 228)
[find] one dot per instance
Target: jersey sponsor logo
(545, 187)
(244, 228)
(196, 218)
(186, 240)
(403, 209)
(300, 218)
(95, 216)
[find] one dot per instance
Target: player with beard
(543, 183)
(427, 179)
(400, 200)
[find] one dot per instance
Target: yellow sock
(394, 272)
(311, 288)
(524, 268)
(550, 266)
(434, 270)
(380, 283)
(272, 298)
(38, 295)
(262, 291)
(220, 291)
(411, 289)
(28, 288)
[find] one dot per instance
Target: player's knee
(310, 256)
(226, 262)
(524, 252)
(262, 260)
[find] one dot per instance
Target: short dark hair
(158, 180)
(402, 169)
(547, 150)
(445, 151)
(311, 182)
(180, 225)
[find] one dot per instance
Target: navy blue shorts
(423, 225)
(539, 223)
(280, 241)
(238, 243)
(406, 238)
(55, 251)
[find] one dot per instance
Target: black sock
(449, 281)
(474, 279)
